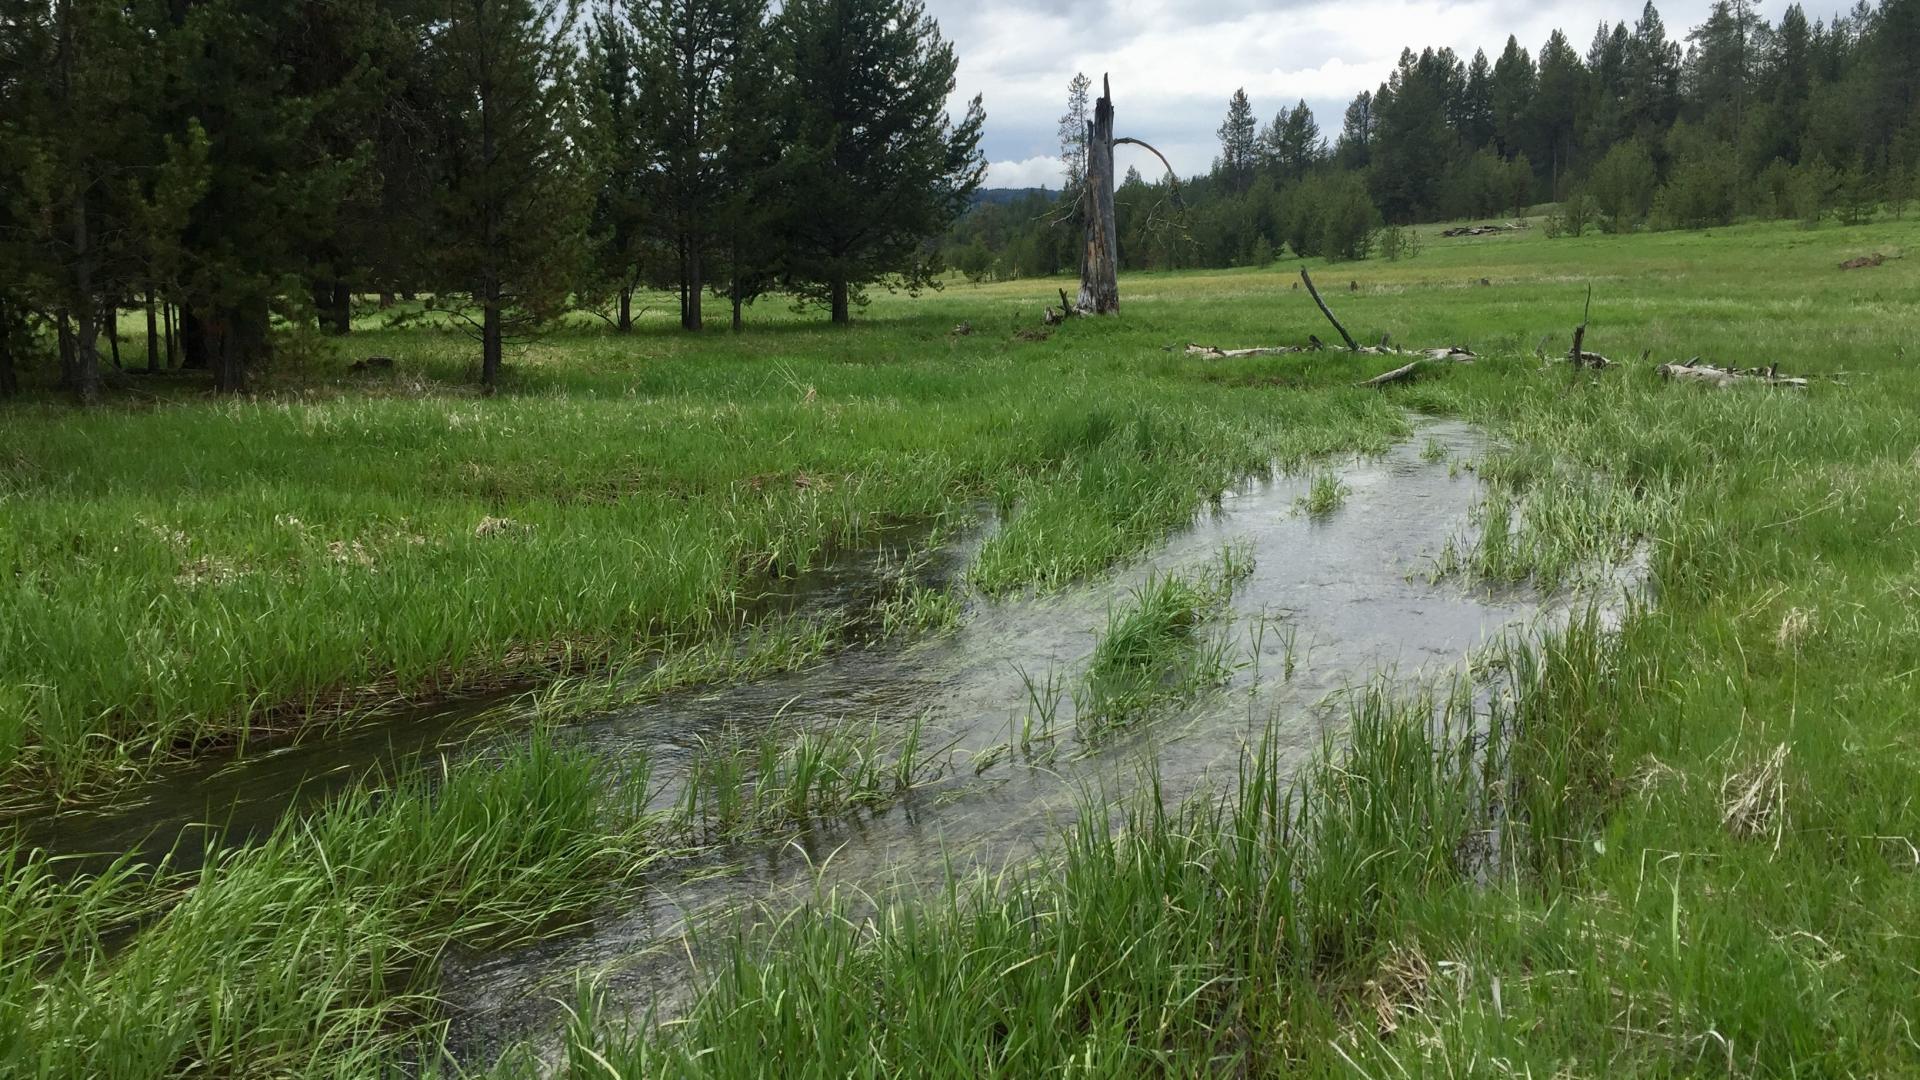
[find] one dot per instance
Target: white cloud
(1044, 170)
(1175, 62)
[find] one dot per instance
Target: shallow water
(190, 810)
(1331, 602)
(1351, 588)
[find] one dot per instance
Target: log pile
(1864, 262)
(1484, 230)
(1694, 371)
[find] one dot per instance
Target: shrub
(1399, 242)
(1623, 185)
(1572, 216)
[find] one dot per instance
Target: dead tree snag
(1100, 257)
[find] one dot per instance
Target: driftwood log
(1411, 369)
(1693, 371)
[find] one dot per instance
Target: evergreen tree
(877, 167)
(1514, 82)
(687, 48)
(1239, 148)
(1073, 135)
(1356, 133)
(1290, 143)
(1557, 105)
(615, 160)
(749, 170)
(1653, 76)
(1720, 69)
(1414, 141)
(1476, 107)
(511, 214)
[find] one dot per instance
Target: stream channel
(1333, 601)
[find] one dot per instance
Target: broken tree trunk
(1577, 356)
(1694, 371)
(1328, 312)
(1099, 260)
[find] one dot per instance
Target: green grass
(1325, 494)
(314, 952)
(1688, 847)
(1156, 649)
(194, 574)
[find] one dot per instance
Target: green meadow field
(1699, 832)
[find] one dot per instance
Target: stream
(1332, 601)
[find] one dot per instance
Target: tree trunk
(9, 383)
(339, 315)
(236, 338)
(153, 335)
(1099, 261)
(625, 324)
(166, 316)
(194, 352)
(386, 299)
(841, 312)
(738, 322)
(111, 319)
(69, 373)
(695, 286)
(490, 344)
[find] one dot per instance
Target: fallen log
(1408, 371)
(1693, 371)
(1864, 262)
(1215, 353)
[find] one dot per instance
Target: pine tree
(1653, 76)
(686, 50)
(1513, 88)
(615, 160)
(511, 214)
(750, 173)
(1476, 109)
(1557, 106)
(1239, 148)
(1073, 135)
(1354, 150)
(877, 166)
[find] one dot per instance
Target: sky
(1174, 65)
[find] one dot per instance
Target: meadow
(1687, 845)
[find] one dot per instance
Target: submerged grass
(1156, 649)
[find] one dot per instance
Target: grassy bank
(193, 574)
(1689, 847)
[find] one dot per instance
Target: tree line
(1741, 118)
(236, 166)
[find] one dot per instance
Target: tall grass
(314, 952)
(196, 575)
